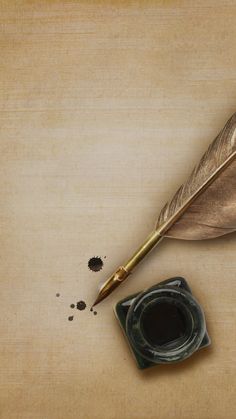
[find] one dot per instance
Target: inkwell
(163, 324)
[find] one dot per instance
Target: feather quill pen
(203, 207)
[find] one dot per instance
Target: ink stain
(80, 305)
(72, 306)
(57, 294)
(95, 264)
(94, 312)
(70, 318)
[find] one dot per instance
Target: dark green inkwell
(163, 324)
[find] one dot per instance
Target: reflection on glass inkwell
(163, 324)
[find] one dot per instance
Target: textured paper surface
(105, 108)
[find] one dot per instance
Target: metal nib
(113, 282)
(98, 299)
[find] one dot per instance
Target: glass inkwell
(163, 324)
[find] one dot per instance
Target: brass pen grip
(124, 271)
(151, 241)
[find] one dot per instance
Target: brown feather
(201, 211)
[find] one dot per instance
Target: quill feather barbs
(205, 205)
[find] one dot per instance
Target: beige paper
(105, 109)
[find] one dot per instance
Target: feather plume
(205, 205)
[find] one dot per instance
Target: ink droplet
(72, 306)
(70, 318)
(57, 294)
(94, 312)
(95, 264)
(81, 305)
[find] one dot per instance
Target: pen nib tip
(98, 300)
(94, 304)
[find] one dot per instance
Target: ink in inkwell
(163, 324)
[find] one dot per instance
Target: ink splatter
(80, 305)
(94, 312)
(95, 264)
(57, 294)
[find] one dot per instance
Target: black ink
(162, 323)
(95, 264)
(70, 318)
(95, 313)
(80, 305)
(72, 306)
(57, 294)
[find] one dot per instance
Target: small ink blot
(80, 305)
(95, 264)
(94, 312)
(72, 306)
(70, 318)
(57, 294)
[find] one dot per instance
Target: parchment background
(105, 108)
